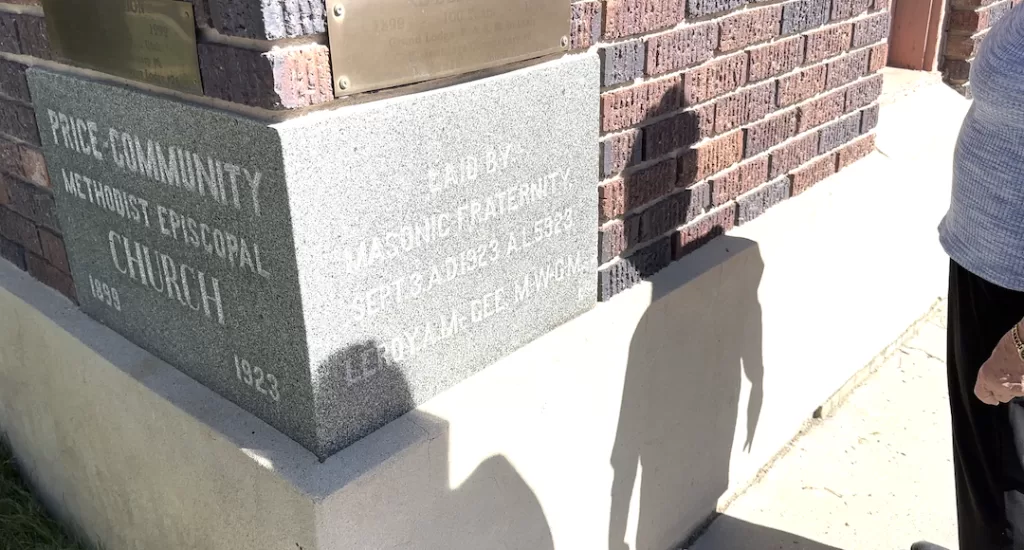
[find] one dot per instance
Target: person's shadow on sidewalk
(689, 356)
(493, 508)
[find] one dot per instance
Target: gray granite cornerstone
(331, 272)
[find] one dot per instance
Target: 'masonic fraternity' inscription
(330, 272)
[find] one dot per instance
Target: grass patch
(24, 524)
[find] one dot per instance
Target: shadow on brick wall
(688, 358)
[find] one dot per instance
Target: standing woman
(983, 233)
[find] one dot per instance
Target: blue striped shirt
(983, 230)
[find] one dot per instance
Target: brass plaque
(151, 41)
(378, 44)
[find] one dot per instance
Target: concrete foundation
(623, 428)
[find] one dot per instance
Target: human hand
(1001, 377)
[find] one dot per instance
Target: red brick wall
(715, 110)
(712, 111)
(968, 23)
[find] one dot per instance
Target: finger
(984, 394)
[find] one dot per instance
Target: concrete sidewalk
(876, 474)
(876, 471)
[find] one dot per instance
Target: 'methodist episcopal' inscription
(331, 272)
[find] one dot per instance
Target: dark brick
(632, 105)
(611, 240)
(50, 275)
(619, 151)
(962, 47)
(629, 17)
(710, 157)
(749, 27)
(674, 211)
(739, 180)
(970, 22)
(20, 230)
(800, 15)
(611, 199)
(957, 70)
(770, 132)
(839, 132)
(33, 203)
(622, 62)
(9, 33)
(33, 37)
(799, 86)
(869, 119)
(12, 80)
(585, 24)
(871, 29)
(629, 271)
(848, 68)
(760, 102)
(828, 42)
(10, 158)
(735, 110)
(677, 132)
(33, 166)
(879, 58)
(643, 186)
(18, 121)
(705, 117)
(730, 112)
(13, 252)
(681, 48)
(268, 19)
(283, 78)
(863, 93)
(703, 230)
(700, 8)
(53, 250)
(791, 155)
(813, 172)
(5, 189)
(821, 110)
(855, 151)
(714, 79)
(776, 58)
(845, 9)
(751, 205)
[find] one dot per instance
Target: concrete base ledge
(623, 428)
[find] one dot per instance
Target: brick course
(682, 48)
(630, 17)
(776, 58)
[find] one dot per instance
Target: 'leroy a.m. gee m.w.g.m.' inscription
(330, 272)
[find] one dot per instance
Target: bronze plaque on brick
(378, 44)
(151, 41)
